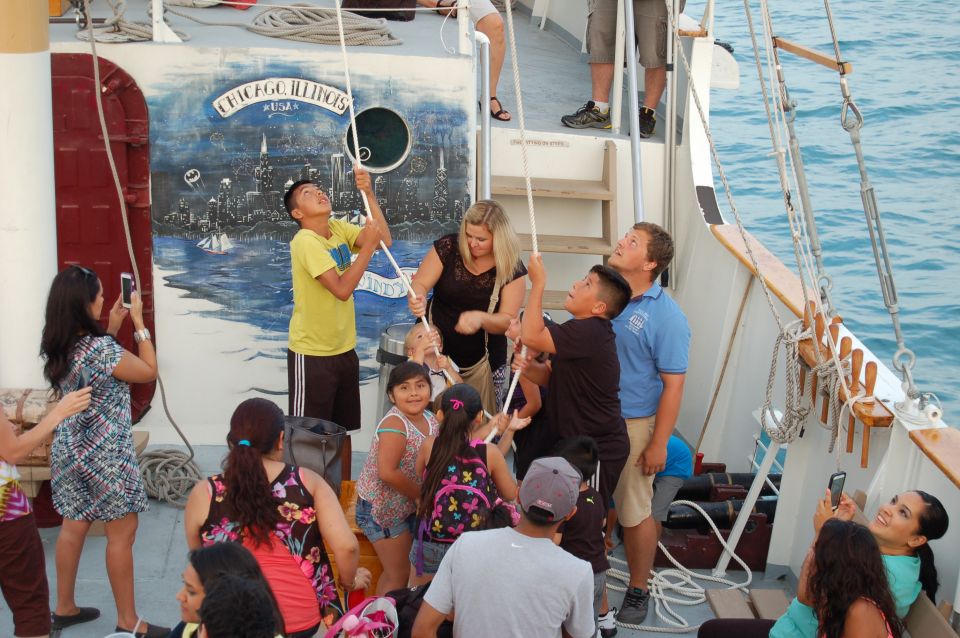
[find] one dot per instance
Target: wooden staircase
(601, 242)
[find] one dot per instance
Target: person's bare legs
(121, 535)
(69, 547)
(654, 82)
(640, 546)
(492, 27)
(601, 77)
(394, 555)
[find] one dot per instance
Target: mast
(28, 243)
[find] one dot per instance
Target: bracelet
(140, 336)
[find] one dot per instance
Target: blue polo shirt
(653, 337)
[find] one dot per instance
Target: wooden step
(552, 299)
(550, 187)
(569, 244)
(728, 603)
(769, 603)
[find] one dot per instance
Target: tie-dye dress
(93, 465)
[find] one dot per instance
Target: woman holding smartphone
(94, 469)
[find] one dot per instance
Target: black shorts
(325, 387)
(23, 577)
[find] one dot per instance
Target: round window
(384, 139)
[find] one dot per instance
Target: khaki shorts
(634, 492)
(650, 27)
(480, 9)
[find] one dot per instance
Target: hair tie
(243, 442)
(456, 404)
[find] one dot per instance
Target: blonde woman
(477, 280)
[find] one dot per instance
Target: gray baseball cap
(551, 484)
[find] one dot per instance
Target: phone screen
(126, 288)
(836, 488)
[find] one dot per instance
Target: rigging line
(363, 195)
(800, 245)
(168, 474)
(851, 119)
(535, 248)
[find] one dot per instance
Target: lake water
(906, 81)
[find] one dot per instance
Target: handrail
(485, 164)
(623, 26)
(634, 105)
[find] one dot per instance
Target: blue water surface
(906, 80)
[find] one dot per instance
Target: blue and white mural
(227, 140)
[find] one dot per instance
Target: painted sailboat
(216, 244)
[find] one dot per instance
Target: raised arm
(532, 329)
(426, 277)
(14, 448)
(511, 298)
(140, 367)
(382, 231)
(342, 286)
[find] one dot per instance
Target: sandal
(446, 8)
(502, 114)
(86, 614)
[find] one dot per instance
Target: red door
(89, 220)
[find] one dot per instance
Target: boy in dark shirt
(583, 378)
(582, 535)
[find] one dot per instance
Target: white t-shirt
(503, 583)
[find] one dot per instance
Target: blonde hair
(506, 244)
(416, 329)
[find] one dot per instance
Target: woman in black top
(478, 287)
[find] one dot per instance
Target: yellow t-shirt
(321, 324)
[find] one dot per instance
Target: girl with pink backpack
(466, 486)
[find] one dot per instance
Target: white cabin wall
(569, 15)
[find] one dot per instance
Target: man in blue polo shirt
(653, 342)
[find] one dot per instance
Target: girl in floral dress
(388, 484)
(283, 514)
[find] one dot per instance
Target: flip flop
(86, 614)
(447, 7)
(503, 115)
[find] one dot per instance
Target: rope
(117, 29)
(679, 580)
(313, 25)
(171, 473)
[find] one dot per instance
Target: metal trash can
(390, 354)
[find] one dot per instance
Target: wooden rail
(814, 56)
(942, 446)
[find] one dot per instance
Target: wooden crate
(25, 408)
(368, 556)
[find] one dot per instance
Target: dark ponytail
(460, 405)
(255, 427)
(933, 525)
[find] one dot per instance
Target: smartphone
(85, 379)
(126, 288)
(836, 488)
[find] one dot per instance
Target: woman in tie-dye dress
(94, 470)
(23, 577)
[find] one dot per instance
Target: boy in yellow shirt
(323, 370)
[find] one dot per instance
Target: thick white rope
(314, 25)
(168, 474)
(534, 245)
(678, 580)
(117, 29)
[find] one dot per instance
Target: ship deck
(160, 554)
(554, 75)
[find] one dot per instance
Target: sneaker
(588, 116)
(648, 122)
(634, 609)
(608, 624)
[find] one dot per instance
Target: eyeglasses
(86, 272)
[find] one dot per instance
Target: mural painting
(225, 145)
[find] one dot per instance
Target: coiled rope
(168, 474)
(678, 580)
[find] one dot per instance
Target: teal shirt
(903, 573)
